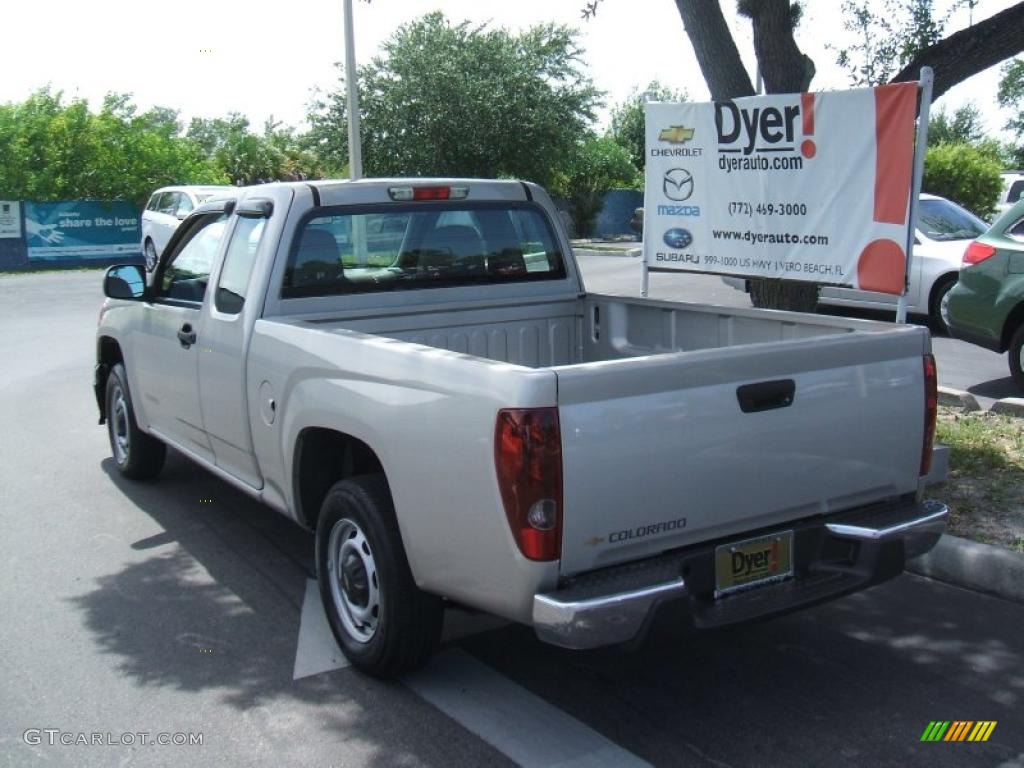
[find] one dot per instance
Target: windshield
(424, 245)
(943, 220)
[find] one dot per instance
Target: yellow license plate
(753, 563)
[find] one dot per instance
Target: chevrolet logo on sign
(675, 134)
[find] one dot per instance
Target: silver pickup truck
(413, 370)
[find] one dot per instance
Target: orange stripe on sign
(895, 111)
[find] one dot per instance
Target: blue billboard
(80, 230)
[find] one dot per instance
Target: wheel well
(322, 458)
(108, 351)
(949, 278)
(1013, 321)
(108, 354)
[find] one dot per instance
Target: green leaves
(627, 126)
(1011, 94)
(447, 99)
(966, 174)
(57, 150)
(596, 166)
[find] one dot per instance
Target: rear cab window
(419, 246)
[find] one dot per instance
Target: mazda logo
(678, 184)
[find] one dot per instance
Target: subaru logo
(677, 238)
(677, 184)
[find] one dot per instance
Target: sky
(208, 59)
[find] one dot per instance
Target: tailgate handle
(766, 395)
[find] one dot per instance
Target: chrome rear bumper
(833, 556)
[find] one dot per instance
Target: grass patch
(985, 491)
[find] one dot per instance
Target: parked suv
(986, 307)
(1013, 189)
(165, 210)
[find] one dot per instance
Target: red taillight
(528, 459)
(931, 412)
(431, 193)
(977, 252)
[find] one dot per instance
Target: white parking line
(514, 721)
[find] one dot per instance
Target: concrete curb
(957, 398)
(1009, 406)
(980, 567)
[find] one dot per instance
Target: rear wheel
(383, 622)
(1017, 357)
(151, 257)
(136, 454)
(939, 294)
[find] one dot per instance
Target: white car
(943, 231)
(1013, 189)
(165, 210)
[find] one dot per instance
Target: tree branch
(969, 51)
(716, 51)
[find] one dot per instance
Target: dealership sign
(10, 219)
(813, 186)
(75, 230)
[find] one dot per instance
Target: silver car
(165, 210)
(943, 231)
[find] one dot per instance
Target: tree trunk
(784, 294)
(784, 68)
(969, 51)
(716, 51)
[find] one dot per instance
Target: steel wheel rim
(1020, 360)
(352, 573)
(120, 438)
(150, 256)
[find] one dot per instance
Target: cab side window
(238, 264)
(188, 269)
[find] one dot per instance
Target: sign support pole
(927, 80)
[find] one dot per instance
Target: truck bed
(590, 329)
(651, 398)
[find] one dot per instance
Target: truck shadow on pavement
(212, 605)
(996, 389)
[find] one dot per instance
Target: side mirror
(181, 215)
(125, 281)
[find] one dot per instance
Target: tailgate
(658, 453)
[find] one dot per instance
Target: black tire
(944, 286)
(1016, 354)
(136, 454)
(385, 625)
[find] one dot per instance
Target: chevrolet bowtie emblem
(676, 134)
(593, 541)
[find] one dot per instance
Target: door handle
(187, 336)
(766, 395)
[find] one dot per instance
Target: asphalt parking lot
(180, 607)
